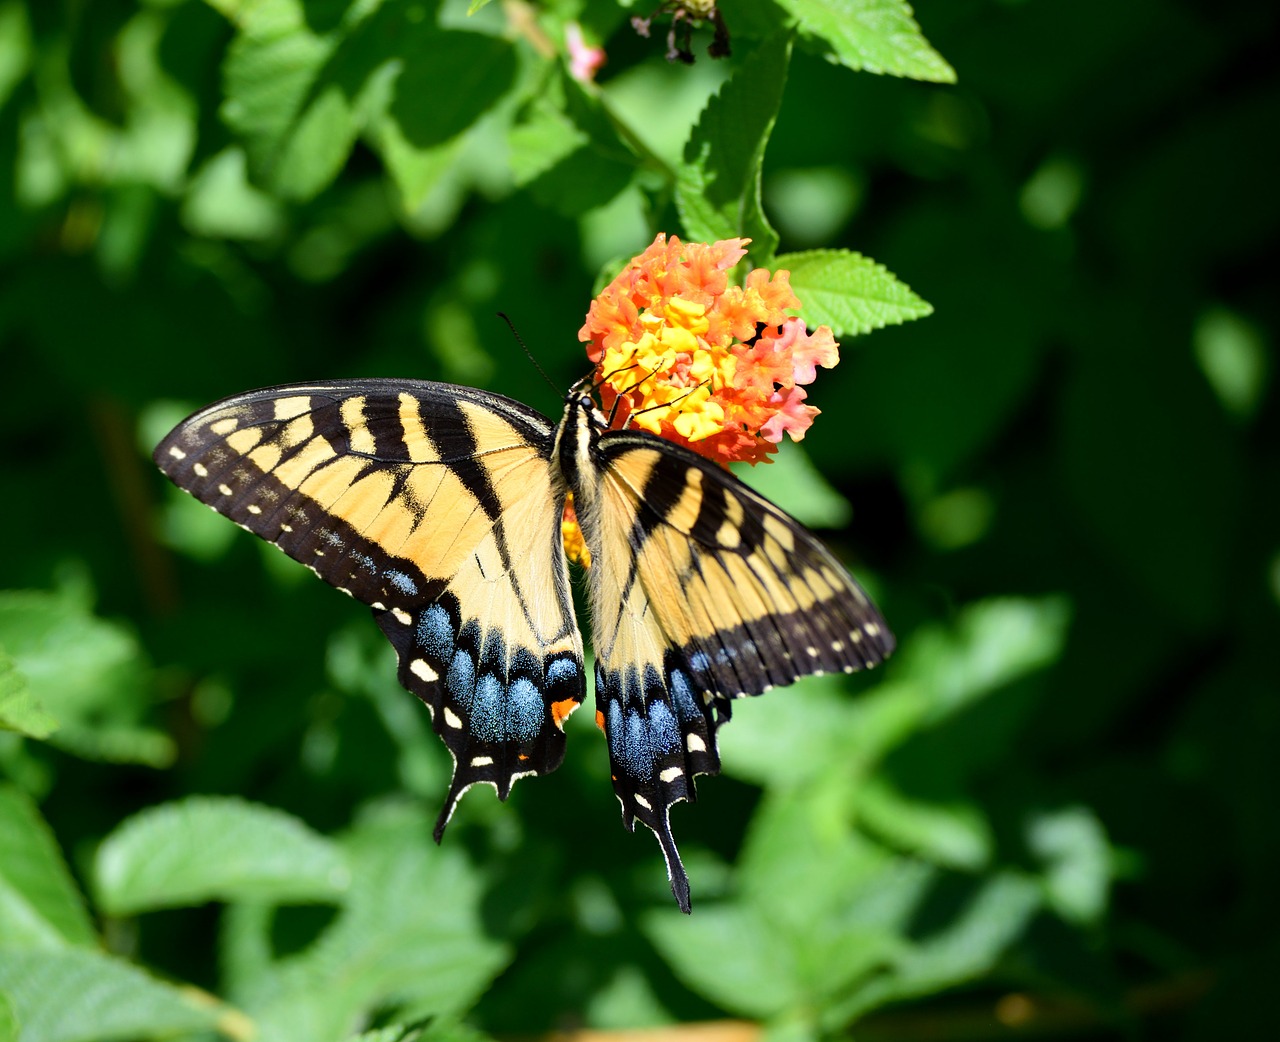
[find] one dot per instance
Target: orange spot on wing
(521, 756)
(600, 719)
(560, 710)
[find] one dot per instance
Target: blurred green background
(1052, 815)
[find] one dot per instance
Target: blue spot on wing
(562, 669)
(401, 582)
(664, 732)
(486, 710)
(460, 680)
(524, 710)
(682, 694)
(435, 633)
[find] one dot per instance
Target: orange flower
(575, 547)
(714, 367)
(717, 368)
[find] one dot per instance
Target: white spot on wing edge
(176, 452)
(201, 471)
(481, 761)
(225, 489)
(695, 744)
(402, 616)
(671, 774)
(643, 802)
(452, 719)
(423, 671)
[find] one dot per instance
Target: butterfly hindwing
(708, 593)
(436, 506)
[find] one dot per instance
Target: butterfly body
(440, 507)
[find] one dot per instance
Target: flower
(575, 547)
(584, 60)
(717, 368)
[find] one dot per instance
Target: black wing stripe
(390, 492)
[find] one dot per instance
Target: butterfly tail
(675, 867)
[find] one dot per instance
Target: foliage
(1052, 812)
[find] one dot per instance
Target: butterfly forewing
(705, 592)
(436, 506)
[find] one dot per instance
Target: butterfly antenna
(664, 405)
(528, 354)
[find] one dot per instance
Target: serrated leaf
(718, 190)
(953, 834)
(87, 672)
(730, 954)
(40, 905)
(214, 848)
(849, 292)
(269, 70)
(78, 995)
(408, 938)
(320, 142)
(872, 35)
(992, 643)
(449, 80)
(19, 709)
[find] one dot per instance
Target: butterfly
(440, 507)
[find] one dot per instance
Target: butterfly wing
(704, 592)
(435, 505)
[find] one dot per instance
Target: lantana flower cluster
(714, 367)
(717, 368)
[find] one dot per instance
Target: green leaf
(19, 710)
(871, 35)
(718, 191)
(8, 1020)
(730, 954)
(408, 937)
(214, 848)
(953, 834)
(992, 915)
(268, 73)
(15, 47)
(1073, 847)
(76, 995)
(40, 905)
(449, 80)
(793, 479)
(87, 672)
(992, 643)
(221, 203)
(849, 292)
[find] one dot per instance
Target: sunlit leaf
(953, 833)
(214, 848)
(19, 711)
(718, 191)
(848, 292)
(77, 995)
(40, 905)
(86, 672)
(730, 954)
(1073, 847)
(871, 35)
(408, 935)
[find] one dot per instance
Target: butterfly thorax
(573, 458)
